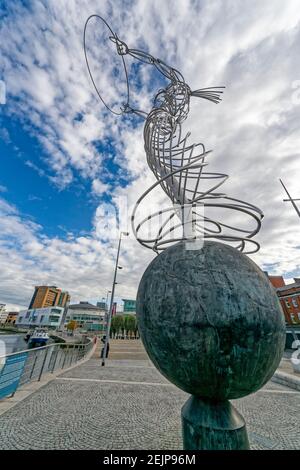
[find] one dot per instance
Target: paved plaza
(128, 405)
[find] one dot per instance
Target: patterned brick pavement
(128, 405)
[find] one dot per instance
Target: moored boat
(38, 338)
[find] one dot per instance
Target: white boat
(39, 337)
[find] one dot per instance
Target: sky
(66, 163)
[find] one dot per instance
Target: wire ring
(126, 104)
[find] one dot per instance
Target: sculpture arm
(169, 72)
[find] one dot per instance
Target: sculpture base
(210, 425)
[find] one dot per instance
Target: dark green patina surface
(217, 426)
(210, 320)
(212, 324)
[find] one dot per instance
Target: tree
(125, 325)
(72, 325)
(117, 324)
(122, 324)
(130, 324)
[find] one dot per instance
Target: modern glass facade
(40, 317)
(87, 316)
(129, 305)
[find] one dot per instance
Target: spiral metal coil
(179, 168)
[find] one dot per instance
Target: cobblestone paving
(115, 370)
(90, 407)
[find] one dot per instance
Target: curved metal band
(125, 105)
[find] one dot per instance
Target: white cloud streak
(252, 47)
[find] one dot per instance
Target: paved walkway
(128, 405)
(286, 366)
(129, 349)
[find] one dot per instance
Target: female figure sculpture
(179, 166)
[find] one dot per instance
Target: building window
(287, 303)
(295, 303)
(61, 300)
(54, 318)
(42, 318)
(55, 310)
(293, 318)
(27, 314)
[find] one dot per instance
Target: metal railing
(43, 360)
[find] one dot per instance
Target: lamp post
(112, 299)
(108, 292)
(106, 308)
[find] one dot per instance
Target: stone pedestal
(210, 425)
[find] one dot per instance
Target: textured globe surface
(210, 320)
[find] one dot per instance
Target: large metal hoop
(126, 104)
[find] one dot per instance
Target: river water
(12, 343)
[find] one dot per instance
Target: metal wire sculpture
(179, 166)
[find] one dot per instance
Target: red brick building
(289, 296)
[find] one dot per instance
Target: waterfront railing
(22, 367)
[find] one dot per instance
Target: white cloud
(83, 265)
(99, 188)
(251, 47)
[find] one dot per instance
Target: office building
(49, 317)
(88, 317)
(48, 296)
(11, 318)
(101, 305)
(129, 306)
(3, 313)
(289, 296)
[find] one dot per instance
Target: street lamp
(106, 309)
(106, 301)
(112, 299)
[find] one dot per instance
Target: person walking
(107, 349)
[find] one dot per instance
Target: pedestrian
(107, 349)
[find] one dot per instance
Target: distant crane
(290, 199)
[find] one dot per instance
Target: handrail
(29, 365)
(44, 347)
(32, 349)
